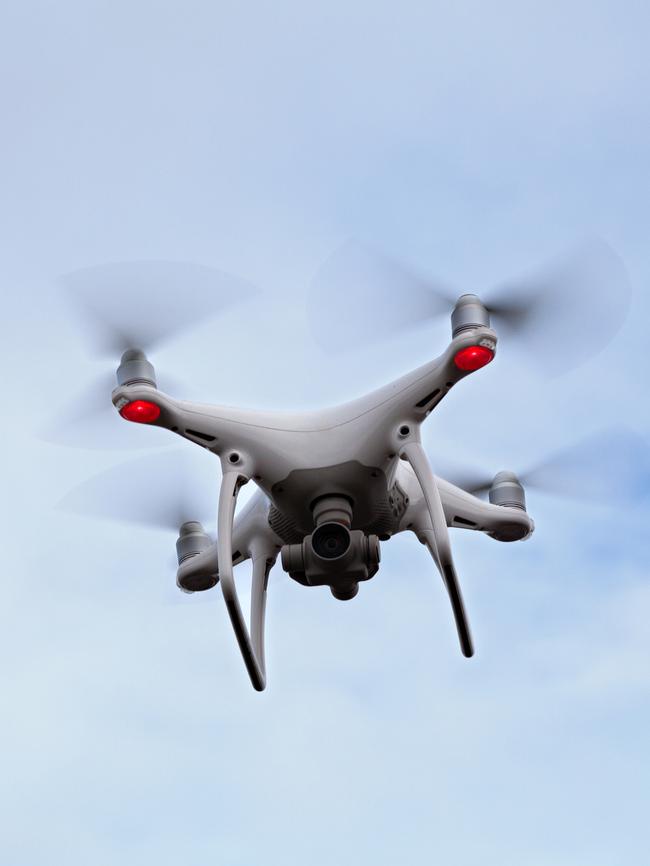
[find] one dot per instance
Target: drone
(332, 485)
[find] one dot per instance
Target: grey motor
(507, 490)
(192, 540)
(135, 369)
(469, 312)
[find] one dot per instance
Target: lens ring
(330, 541)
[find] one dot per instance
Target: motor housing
(507, 490)
(192, 540)
(469, 313)
(135, 369)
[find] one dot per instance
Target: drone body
(332, 483)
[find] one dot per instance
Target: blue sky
(472, 140)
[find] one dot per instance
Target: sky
(471, 140)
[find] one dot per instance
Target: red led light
(473, 358)
(141, 411)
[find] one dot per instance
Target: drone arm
(251, 647)
(437, 540)
(466, 511)
(203, 564)
(411, 398)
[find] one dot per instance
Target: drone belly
(331, 520)
(376, 507)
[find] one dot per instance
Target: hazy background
(470, 139)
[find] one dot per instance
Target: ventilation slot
(462, 522)
(423, 402)
(284, 527)
(198, 435)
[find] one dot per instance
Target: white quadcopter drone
(332, 484)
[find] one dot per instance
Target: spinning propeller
(609, 467)
(563, 313)
(134, 305)
(170, 490)
(161, 491)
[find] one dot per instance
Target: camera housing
(333, 555)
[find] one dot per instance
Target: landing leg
(437, 542)
(252, 649)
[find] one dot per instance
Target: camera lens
(330, 540)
